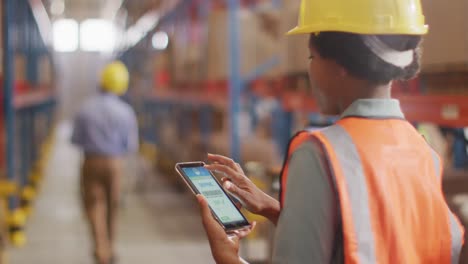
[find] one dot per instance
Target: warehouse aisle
(159, 225)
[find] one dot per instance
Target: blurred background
(213, 76)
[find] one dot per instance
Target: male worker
(367, 189)
(106, 130)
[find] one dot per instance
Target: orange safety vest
(389, 186)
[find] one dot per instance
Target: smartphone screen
(204, 182)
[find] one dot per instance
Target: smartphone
(202, 181)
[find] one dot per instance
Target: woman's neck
(364, 91)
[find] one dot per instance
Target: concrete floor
(157, 223)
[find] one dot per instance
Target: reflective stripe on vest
(356, 193)
(455, 231)
(371, 232)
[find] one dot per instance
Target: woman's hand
(236, 183)
(225, 250)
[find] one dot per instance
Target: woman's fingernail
(228, 185)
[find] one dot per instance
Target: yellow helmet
(361, 17)
(115, 78)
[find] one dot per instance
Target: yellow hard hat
(374, 17)
(114, 78)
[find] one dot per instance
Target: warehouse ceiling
(82, 9)
(77, 9)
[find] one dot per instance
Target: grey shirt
(309, 229)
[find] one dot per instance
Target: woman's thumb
(204, 208)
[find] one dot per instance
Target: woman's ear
(339, 70)
(342, 72)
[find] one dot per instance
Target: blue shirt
(106, 125)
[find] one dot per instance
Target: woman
(367, 189)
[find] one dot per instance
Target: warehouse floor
(158, 225)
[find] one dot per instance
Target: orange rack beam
(32, 98)
(442, 110)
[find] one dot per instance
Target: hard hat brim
(299, 30)
(358, 30)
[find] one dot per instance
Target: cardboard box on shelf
(218, 52)
(270, 41)
(177, 50)
(20, 67)
(218, 67)
(447, 81)
(448, 33)
(162, 71)
(45, 70)
(296, 47)
(186, 52)
(297, 54)
(161, 60)
(192, 63)
(260, 40)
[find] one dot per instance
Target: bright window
(65, 33)
(160, 40)
(97, 35)
(57, 7)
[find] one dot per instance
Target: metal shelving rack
(443, 110)
(28, 115)
(161, 102)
